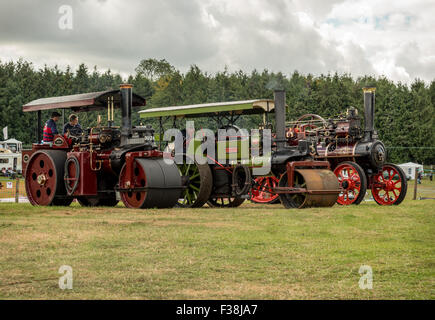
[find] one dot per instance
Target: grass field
(10, 193)
(252, 252)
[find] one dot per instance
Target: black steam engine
(356, 155)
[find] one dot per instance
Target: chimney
(369, 112)
(279, 96)
(126, 106)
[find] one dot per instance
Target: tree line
(404, 114)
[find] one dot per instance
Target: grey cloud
(318, 8)
(414, 62)
(134, 30)
(117, 34)
(252, 44)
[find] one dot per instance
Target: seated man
(50, 128)
(73, 126)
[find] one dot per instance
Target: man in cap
(50, 128)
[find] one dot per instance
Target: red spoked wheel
(389, 186)
(44, 179)
(353, 182)
(262, 191)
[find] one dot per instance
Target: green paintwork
(225, 149)
(202, 110)
(190, 194)
(196, 111)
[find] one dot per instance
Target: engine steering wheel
(310, 117)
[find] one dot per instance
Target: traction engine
(355, 154)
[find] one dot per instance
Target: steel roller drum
(162, 183)
(313, 180)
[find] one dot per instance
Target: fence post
(415, 184)
(17, 189)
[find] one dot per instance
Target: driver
(50, 128)
(73, 126)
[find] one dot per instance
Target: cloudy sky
(377, 37)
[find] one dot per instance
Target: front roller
(154, 184)
(44, 179)
(321, 189)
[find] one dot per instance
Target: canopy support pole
(160, 133)
(39, 131)
(266, 118)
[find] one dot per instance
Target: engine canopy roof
(256, 106)
(82, 102)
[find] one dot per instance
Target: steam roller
(304, 182)
(44, 178)
(101, 164)
(152, 183)
(315, 188)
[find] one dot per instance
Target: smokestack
(369, 112)
(126, 105)
(279, 96)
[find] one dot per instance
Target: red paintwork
(103, 157)
(263, 193)
(293, 135)
(26, 154)
(41, 182)
(127, 181)
(65, 145)
(133, 199)
(384, 188)
(87, 185)
(347, 173)
(342, 129)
